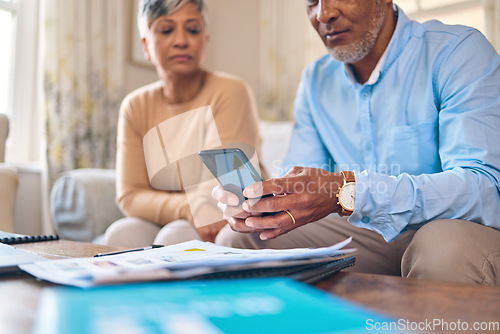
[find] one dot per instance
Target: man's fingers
(232, 211)
(277, 221)
(278, 186)
(259, 189)
(294, 171)
(272, 204)
(225, 197)
(284, 225)
(238, 225)
(217, 192)
(272, 226)
(271, 234)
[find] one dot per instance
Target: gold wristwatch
(347, 194)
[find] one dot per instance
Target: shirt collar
(398, 41)
(375, 73)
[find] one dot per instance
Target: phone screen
(231, 168)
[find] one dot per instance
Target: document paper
(175, 262)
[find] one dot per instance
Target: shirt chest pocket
(413, 149)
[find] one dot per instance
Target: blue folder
(257, 306)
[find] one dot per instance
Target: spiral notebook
(14, 238)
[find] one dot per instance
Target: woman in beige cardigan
(162, 126)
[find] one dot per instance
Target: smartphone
(232, 168)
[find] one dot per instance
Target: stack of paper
(11, 257)
(192, 259)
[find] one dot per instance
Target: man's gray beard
(356, 51)
(353, 52)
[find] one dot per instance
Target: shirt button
(365, 220)
(368, 147)
(364, 96)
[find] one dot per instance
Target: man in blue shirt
(398, 128)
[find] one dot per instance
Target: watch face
(347, 196)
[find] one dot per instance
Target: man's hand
(306, 193)
(232, 212)
(209, 232)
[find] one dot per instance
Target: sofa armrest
(8, 193)
(82, 203)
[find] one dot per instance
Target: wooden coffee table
(411, 300)
(420, 300)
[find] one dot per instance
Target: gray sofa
(82, 201)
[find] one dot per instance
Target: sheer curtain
(492, 11)
(83, 82)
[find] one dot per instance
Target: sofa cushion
(275, 139)
(83, 203)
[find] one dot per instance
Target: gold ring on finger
(291, 216)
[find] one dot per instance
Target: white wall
(234, 38)
(136, 75)
(233, 46)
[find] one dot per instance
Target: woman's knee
(454, 250)
(176, 232)
(131, 232)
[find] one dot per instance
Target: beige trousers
(446, 250)
(133, 232)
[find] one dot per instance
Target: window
(19, 78)
(465, 12)
(7, 26)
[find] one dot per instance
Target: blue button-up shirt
(422, 135)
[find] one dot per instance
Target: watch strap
(348, 176)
